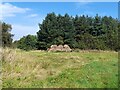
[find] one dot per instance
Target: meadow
(42, 69)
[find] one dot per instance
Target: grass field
(42, 69)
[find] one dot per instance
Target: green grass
(41, 69)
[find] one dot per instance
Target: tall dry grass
(0, 68)
(24, 65)
(20, 68)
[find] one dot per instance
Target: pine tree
(6, 35)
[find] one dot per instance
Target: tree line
(79, 32)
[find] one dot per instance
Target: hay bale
(52, 49)
(59, 48)
(53, 46)
(67, 48)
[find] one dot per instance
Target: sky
(25, 16)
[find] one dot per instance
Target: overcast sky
(25, 16)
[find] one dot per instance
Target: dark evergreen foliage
(81, 32)
(6, 36)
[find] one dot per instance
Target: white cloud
(32, 15)
(22, 30)
(9, 10)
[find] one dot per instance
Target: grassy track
(41, 69)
